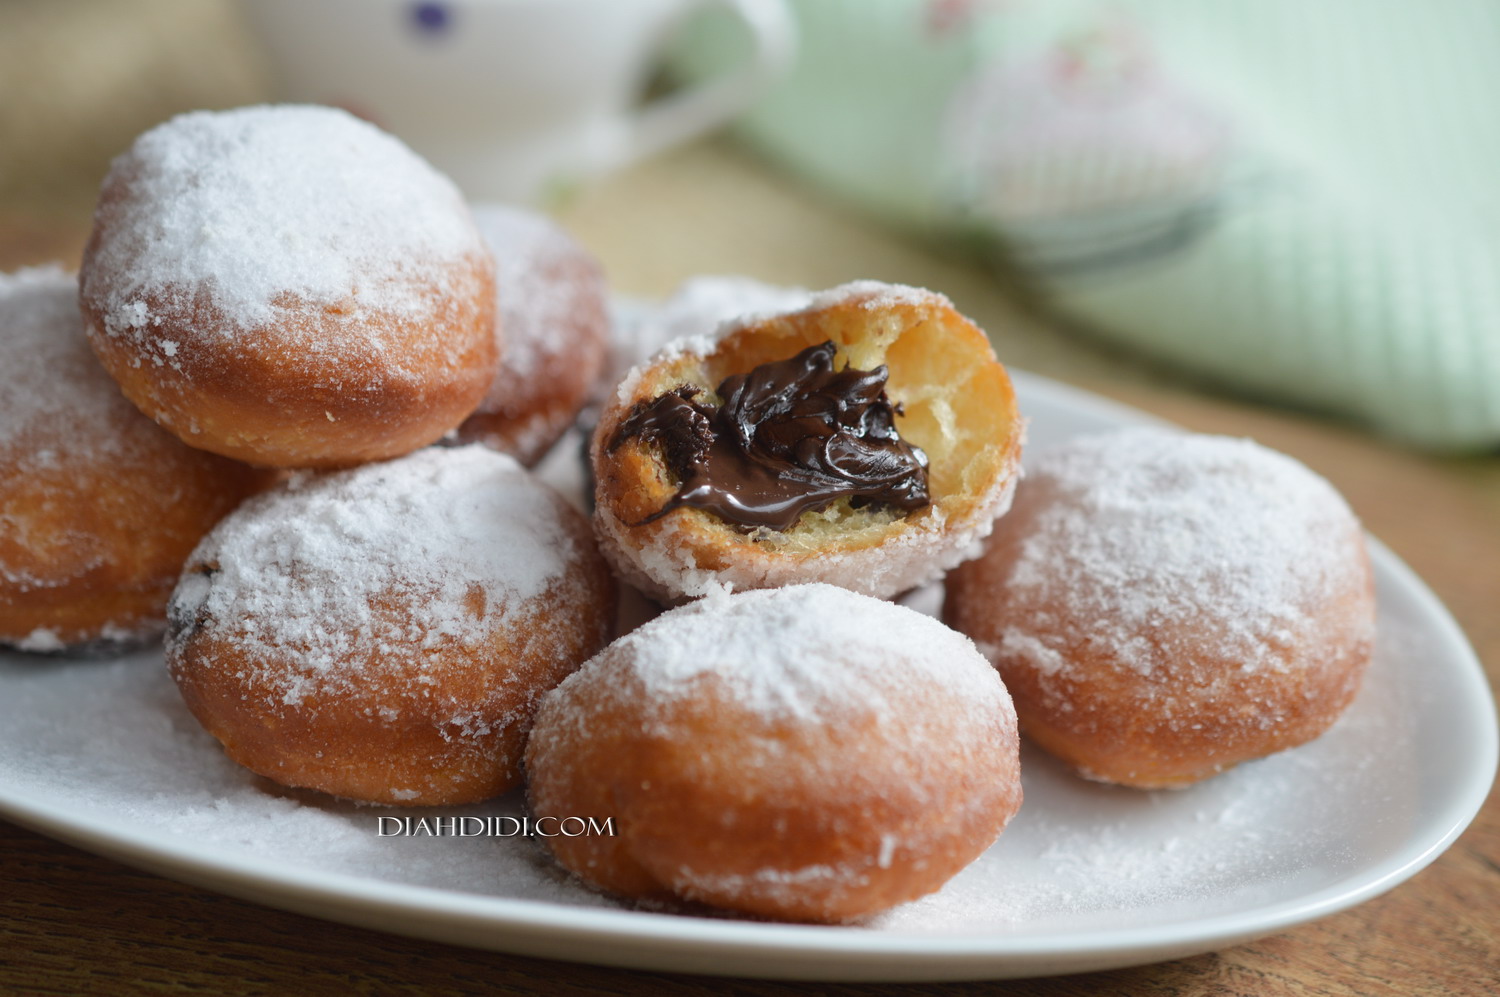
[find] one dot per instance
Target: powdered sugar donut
(289, 286)
(99, 506)
(553, 316)
(1164, 606)
(382, 633)
(868, 440)
(802, 753)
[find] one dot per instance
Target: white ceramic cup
(517, 100)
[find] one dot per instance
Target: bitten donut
(868, 440)
(803, 753)
(382, 634)
(99, 506)
(1164, 606)
(553, 316)
(289, 286)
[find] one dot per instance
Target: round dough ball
(99, 506)
(554, 318)
(953, 401)
(1164, 606)
(382, 634)
(802, 753)
(289, 286)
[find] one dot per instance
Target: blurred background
(1286, 206)
(1286, 203)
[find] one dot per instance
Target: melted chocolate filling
(790, 436)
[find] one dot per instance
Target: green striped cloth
(1299, 200)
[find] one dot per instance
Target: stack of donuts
(284, 414)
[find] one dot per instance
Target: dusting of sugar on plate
(1079, 856)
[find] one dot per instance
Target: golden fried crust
(830, 831)
(93, 544)
(1203, 714)
(528, 433)
(957, 405)
(255, 396)
(448, 729)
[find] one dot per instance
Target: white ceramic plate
(103, 755)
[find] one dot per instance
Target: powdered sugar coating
(877, 296)
(58, 408)
(255, 211)
(382, 634)
(541, 272)
(553, 326)
(305, 577)
(289, 286)
(804, 753)
(1164, 606)
(811, 653)
(706, 309)
(696, 312)
(51, 381)
(1148, 529)
(98, 505)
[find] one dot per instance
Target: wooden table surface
(73, 923)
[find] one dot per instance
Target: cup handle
(678, 117)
